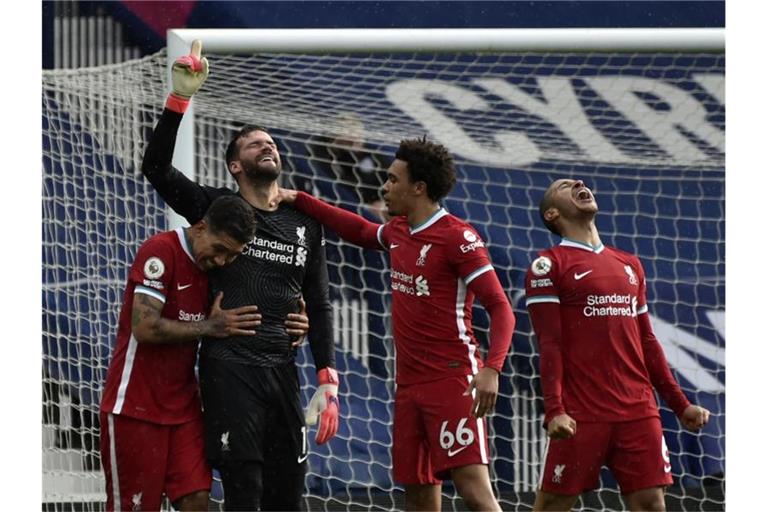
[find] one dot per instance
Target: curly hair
(429, 162)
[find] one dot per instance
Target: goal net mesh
(645, 132)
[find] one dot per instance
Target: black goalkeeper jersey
(285, 260)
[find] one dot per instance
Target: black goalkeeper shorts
(252, 413)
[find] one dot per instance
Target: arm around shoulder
(349, 226)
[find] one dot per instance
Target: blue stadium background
(679, 292)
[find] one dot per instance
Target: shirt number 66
(463, 435)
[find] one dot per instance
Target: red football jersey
(156, 381)
(601, 291)
(431, 266)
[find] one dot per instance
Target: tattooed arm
(149, 326)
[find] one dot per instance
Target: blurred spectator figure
(343, 157)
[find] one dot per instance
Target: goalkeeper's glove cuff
(328, 376)
(177, 103)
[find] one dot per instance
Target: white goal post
(638, 113)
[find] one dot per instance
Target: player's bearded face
(259, 158)
(262, 168)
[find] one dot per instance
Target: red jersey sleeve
(655, 360)
(543, 303)
(469, 256)
(489, 292)
(152, 270)
(467, 253)
(541, 281)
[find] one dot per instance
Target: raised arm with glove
(187, 76)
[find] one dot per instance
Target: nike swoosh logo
(393, 246)
(183, 287)
(302, 459)
(583, 274)
(451, 453)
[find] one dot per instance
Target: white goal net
(644, 130)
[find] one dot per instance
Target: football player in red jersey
(151, 440)
(439, 264)
(600, 362)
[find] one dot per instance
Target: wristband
(177, 104)
(328, 376)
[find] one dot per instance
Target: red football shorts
(634, 451)
(142, 461)
(433, 431)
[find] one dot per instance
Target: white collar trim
(183, 242)
(567, 242)
(439, 214)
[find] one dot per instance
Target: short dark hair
(545, 204)
(231, 215)
(231, 153)
(428, 162)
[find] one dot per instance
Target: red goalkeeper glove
(325, 405)
(187, 76)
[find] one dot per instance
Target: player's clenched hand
(325, 405)
(561, 426)
(694, 417)
(486, 388)
(222, 323)
(284, 195)
(189, 72)
(297, 324)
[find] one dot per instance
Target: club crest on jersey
(631, 274)
(423, 255)
(136, 501)
(557, 477)
(301, 233)
(154, 268)
(541, 266)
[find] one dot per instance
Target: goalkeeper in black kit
(255, 431)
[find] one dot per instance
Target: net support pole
(184, 152)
